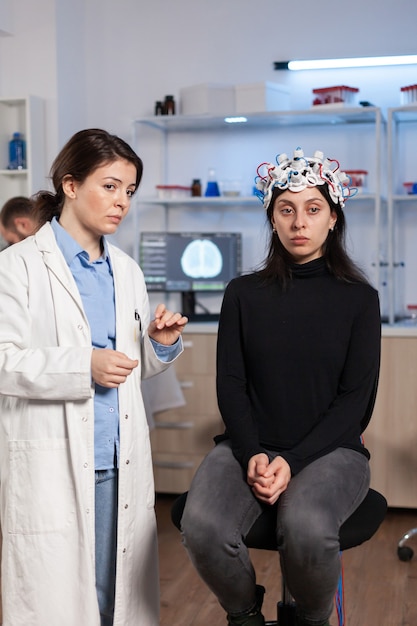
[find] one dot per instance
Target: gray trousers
(221, 508)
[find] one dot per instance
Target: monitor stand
(189, 305)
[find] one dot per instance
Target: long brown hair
(278, 262)
(81, 156)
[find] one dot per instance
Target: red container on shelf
(358, 178)
(410, 188)
(341, 94)
(168, 192)
(409, 94)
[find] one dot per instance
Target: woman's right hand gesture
(110, 368)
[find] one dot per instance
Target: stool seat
(359, 527)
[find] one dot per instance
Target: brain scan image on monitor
(201, 259)
(191, 261)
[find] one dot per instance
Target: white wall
(140, 51)
(28, 63)
(72, 52)
(105, 63)
(6, 25)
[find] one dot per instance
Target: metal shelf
(406, 113)
(309, 117)
(227, 201)
(397, 116)
(232, 201)
(7, 172)
(409, 198)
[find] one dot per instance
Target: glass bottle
(159, 108)
(169, 105)
(196, 187)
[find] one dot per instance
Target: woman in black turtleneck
(297, 371)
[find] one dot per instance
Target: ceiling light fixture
(323, 64)
(236, 120)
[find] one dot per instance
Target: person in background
(17, 219)
(76, 338)
(297, 370)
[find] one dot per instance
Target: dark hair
(18, 206)
(86, 151)
(278, 262)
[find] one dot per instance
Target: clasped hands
(268, 479)
(110, 368)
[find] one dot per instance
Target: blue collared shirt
(95, 284)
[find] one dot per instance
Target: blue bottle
(17, 152)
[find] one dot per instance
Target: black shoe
(254, 617)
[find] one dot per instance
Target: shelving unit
(173, 144)
(402, 210)
(335, 118)
(24, 115)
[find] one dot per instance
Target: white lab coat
(47, 444)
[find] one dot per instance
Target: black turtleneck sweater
(297, 369)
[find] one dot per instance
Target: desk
(392, 433)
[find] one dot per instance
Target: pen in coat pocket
(137, 318)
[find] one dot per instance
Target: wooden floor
(380, 590)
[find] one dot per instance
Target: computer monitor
(190, 263)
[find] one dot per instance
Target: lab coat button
(85, 418)
(126, 416)
(80, 327)
(127, 461)
(126, 506)
(85, 465)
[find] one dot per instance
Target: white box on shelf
(207, 99)
(259, 97)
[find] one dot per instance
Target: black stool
(357, 529)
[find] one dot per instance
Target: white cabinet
(402, 211)
(177, 148)
(24, 115)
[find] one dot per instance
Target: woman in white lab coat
(50, 371)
